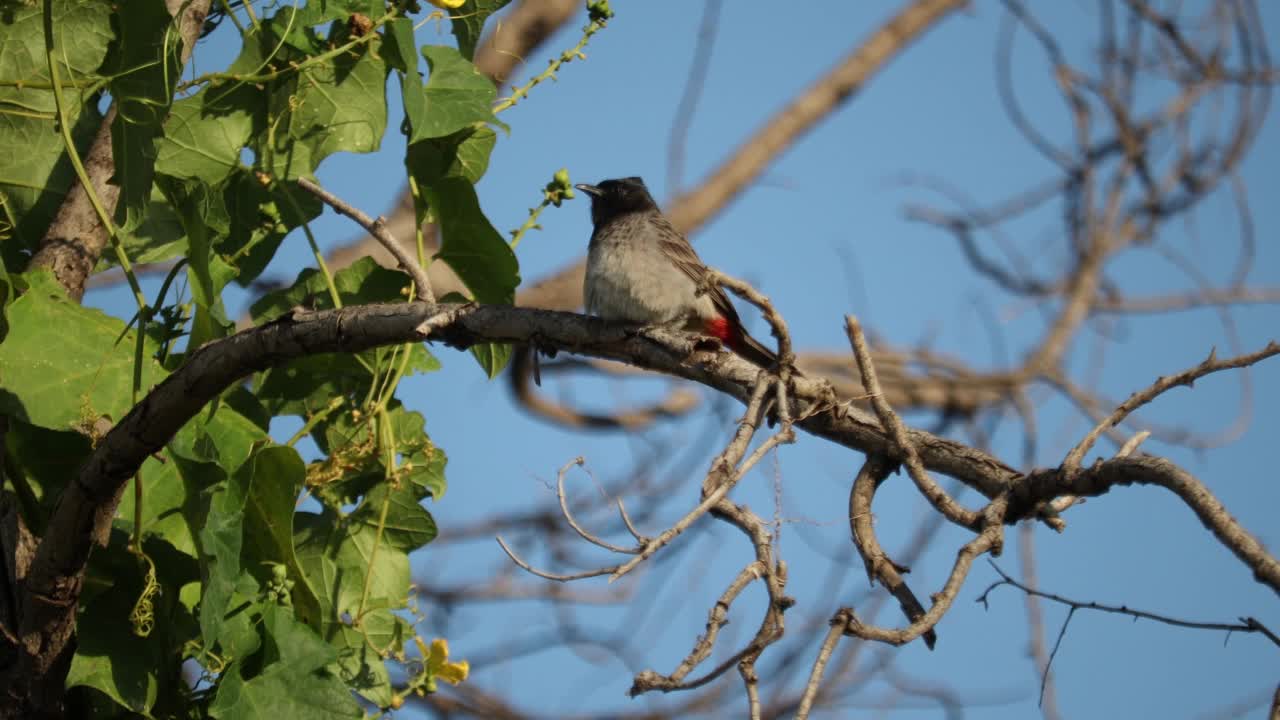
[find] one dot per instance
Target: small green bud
(598, 11)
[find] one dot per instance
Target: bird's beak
(591, 190)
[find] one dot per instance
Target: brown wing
(682, 254)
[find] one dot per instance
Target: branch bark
(74, 242)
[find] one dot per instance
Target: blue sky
(824, 234)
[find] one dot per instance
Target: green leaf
(456, 96)
(470, 244)
(143, 67)
(493, 357)
(362, 282)
(226, 435)
(205, 133)
(220, 543)
(34, 170)
(464, 154)
(339, 557)
(109, 657)
(62, 364)
(425, 469)
(400, 50)
(308, 384)
(168, 501)
(408, 525)
(6, 292)
(268, 524)
(261, 217)
(445, 169)
(468, 23)
(359, 664)
(81, 34)
(204, 218)
(45, 460)
(322, 11)
(341, 105)
(399, 47)
(294, 681)
(159, 237)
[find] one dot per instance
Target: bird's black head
(612, 198)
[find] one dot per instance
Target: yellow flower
(448, 4)
(437, 661)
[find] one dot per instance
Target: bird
(641, 269)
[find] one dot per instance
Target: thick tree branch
(85, 509)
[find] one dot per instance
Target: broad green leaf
(204, 218)
(261, 217)
(463, 154)
(295, 26)
(352, 442)
(322, 11)
(278, 474)
(339, 557)
(205, 133)
(408, 525)
(6, 287)
(425, 469)
(44, 461)
(294, 681)
(221, 539)
(34, 170)
(468, 23)
(362, 282)
(62, 366)
(308, 384)
(341, 106)
(359, 664)
(456, 96)
(81, 34)
(493, 357)
(159, 237)
(399, 47)
(239, 635)
(143, 67)
(168, 501)
(109, 657)
(400, 50)
(226, 436)
(470, 244)
(471, 159)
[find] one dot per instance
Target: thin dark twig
(1246, 624)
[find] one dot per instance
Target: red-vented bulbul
(640, 269)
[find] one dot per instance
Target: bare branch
(1246, 624)
(1188, 377)
(862, 528)
(990, 539)
(838, 622)
(936, 496)
(378, 229)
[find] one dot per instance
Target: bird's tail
(754, 351)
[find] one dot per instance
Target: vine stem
(64, 127)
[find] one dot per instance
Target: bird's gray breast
(628, 278)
